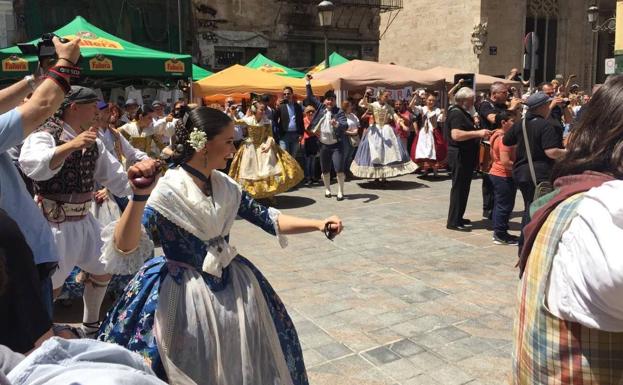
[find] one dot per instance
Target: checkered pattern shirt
(549, 350)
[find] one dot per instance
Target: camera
(565, 102)
(44, 49)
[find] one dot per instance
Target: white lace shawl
(181, 201)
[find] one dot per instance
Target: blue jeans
(310, 167)
(504, 191)
(290, 143)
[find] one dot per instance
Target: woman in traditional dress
(260, 166)
(429, 149)
(202, 313)
(381, 154)
(142, 134)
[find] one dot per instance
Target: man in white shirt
(65, 159)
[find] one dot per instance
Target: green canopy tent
(335, 59)
(262, 63)
(103, 55)
(199, 73)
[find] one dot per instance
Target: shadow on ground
(391, 185)
(292, 202)
(366, 197)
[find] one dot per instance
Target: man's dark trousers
(462, 164)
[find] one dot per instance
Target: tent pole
(179, 23)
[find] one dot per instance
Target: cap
(157, 103)
(131, 101)
(79, 94)
(102, 105)
(537, 99)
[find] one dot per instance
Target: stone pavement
(396, 299)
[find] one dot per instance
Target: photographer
(559, 111)
(34, 303)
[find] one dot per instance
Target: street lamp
(325, 15)
(593, 18)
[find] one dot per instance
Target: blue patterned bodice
(181, 246)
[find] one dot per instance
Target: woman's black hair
(596, 142)
(209, 120)
(500, 117)
(142, 111)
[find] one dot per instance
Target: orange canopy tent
(482, 81)
(358, 74)
(238, 82)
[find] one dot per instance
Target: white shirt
(39, 148)
(327, 134)
(586, 279)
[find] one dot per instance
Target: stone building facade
(424, 35)
(287, 31)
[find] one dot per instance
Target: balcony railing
(382, 5)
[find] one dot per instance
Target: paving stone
(381, 355)
(406, 348)
(401, 369)
(333, 350)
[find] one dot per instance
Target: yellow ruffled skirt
(265, 174)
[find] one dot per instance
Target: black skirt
(23, 317)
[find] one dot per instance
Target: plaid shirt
(549, 350)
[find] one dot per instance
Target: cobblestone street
(397, 299)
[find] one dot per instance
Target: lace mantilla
(124, 263)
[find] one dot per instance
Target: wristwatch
(31, 82)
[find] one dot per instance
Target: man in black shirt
(463, 140)
(545, 146)
(488, 110)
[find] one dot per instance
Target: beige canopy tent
(358, 74)
(482, 81)
(239, 81)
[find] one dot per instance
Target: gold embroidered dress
(263, 174)
(145, 139)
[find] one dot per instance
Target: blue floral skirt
(131, 321)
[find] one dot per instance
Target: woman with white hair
(381, 154)
(463, 144)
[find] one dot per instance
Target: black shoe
(458, 228)
(327, 194)
(487, 214)
(504, 239)
(340, 198)
(466, 222)
(308, 183)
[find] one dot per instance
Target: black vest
(76, 174)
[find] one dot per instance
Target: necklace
(199, 175)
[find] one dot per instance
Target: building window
(542, 19)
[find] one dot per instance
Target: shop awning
(482, 81)
(264, 64)
(103, 55)
(238, 80)
(200, 73)
(335, 59)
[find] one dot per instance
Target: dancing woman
(430, 149)
(260, 166)
(329, 124)
(202, 313)
(380, 153)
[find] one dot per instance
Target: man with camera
(289, 121)
(544, 142)
(29, 289)
(559, 112)
(499, 101)
(65, 159)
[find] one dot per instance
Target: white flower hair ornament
(198, 139)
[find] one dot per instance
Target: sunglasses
(286, 94)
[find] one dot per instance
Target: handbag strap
(528, 151)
